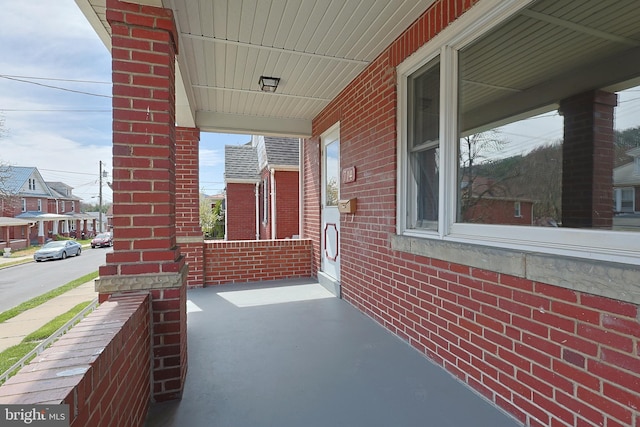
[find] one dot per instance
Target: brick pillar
(189, 233)
(146, 257)
(587, 160)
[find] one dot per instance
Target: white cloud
(211, 158)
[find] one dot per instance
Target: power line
(12, 110)
(55, 79)
(66, 172)
(55, 87)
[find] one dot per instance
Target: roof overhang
(12, 222)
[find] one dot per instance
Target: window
(624, 200)
(73, 206)
(62, 206)
(24, 205)
(39, 205)
(487, 115)
(423, 146)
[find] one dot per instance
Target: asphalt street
(20, 283)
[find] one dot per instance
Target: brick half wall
(100, 368)
(256, 260)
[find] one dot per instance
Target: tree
(8, 199)
(211, 218)
(624, 141)
(94, 207)
(481, 175)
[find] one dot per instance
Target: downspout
(226, 227)
(257, 191)
(300, 186)
(273, 204)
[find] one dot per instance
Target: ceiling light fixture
(268, 84)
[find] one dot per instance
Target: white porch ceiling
(315, 47)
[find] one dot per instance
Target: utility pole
(100, 201)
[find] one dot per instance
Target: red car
(102, 240)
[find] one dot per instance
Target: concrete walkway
(289, 354)
(14, 330)
(15, 259)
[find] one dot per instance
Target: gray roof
(282, 151)
(240, 162)
(13, 178)
(59, 190)
(625, 175)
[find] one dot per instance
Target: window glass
(332, 169)
(423, 146)
(524, 106)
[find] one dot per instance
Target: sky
(55, 100)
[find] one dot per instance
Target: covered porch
(548, 334)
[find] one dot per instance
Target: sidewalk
(14, 330)
(19, 259)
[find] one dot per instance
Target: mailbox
(347, 206)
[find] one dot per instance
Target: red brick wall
(112, 343)
(241, 211)
(494, 211)
(287, 201)
(311, 193)
(188, 202)
(144, 45)
(250, 261)
(168, 310)
(187, 182)
(547, 355)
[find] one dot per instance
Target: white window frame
(39, 205)
(517, 209)
(24, 205)
(614, 246)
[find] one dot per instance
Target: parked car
(102, 240)
(58, 249)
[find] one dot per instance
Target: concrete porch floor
(287, 354)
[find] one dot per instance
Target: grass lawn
(34, 302)
(12, 355)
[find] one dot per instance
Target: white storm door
(330, 232)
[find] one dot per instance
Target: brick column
(146, 257)
(587, 160)
(188, 230)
